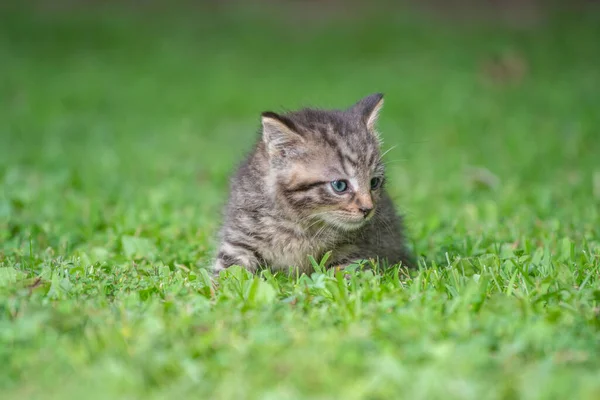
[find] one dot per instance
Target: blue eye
(375, 182)
(339, 186)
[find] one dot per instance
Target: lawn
(118, 130)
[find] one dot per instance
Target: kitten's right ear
(368, 109)
(279, 134)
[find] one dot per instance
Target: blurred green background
(121, 121)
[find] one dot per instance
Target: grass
(117, 134)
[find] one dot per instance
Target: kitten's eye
(339, 186)
(375, 182)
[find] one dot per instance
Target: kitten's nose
(365, 210)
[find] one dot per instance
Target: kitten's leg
(236, 254)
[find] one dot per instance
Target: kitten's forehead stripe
(340, 159)
(352, 159)
(333, 171)
(348, 168)
(330, 138)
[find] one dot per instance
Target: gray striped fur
(282, 207)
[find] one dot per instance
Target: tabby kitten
(313, 183)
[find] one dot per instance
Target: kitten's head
(326, 164)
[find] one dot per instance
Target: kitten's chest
(292, 249)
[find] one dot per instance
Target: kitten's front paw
(217, 268)
(220, 266)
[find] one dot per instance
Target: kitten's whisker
(321, 230)
(388, 150)
(384, 223)
(313, 224)
(390, 162)
(312, 216)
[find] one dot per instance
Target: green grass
(117, 135)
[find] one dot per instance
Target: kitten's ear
(279, 134)
(368, 109)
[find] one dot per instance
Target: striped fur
(282, 206)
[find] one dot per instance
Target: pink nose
(365, 210)
(364, 203)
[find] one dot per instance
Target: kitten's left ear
(368, 108)
(279, 134)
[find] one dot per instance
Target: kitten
(313, 183)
